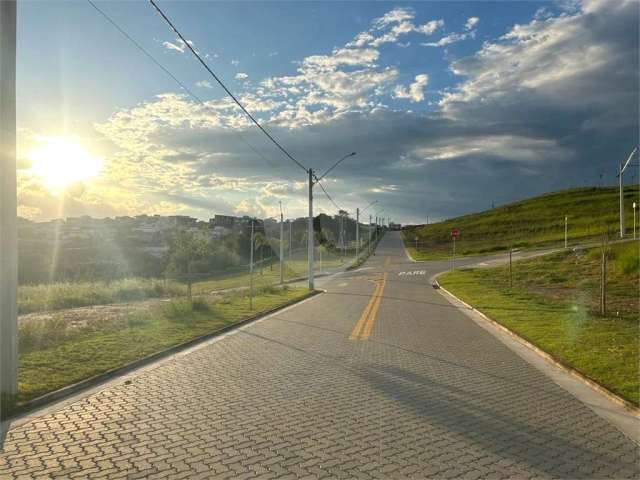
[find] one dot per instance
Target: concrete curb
(68, 391)
(628, 406)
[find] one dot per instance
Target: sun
(60, 162)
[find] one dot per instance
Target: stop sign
(455, 233)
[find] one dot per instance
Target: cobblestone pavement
(428, 395)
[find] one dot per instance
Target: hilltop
(534, 222)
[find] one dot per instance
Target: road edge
(616, 410)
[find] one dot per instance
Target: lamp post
(281, 245)
(623, 166)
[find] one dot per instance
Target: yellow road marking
(355, 333)
(362, 329)
(374, 311)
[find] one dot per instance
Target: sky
(451, 107)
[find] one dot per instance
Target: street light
(310, 243)
(623, 167)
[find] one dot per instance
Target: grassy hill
(538, 221)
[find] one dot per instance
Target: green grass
(53, 355)
(61, 295)
(534, 222)
(554, 305)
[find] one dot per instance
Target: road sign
(455, 233)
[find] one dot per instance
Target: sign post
(455, 233)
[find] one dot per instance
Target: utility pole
(565, 231)
(8, 214)
(310, 242)
(358, 231)
(290, 238)
(251, 268)
(369, 245)
(281, 245)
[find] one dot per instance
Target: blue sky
(451, 106)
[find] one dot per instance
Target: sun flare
(60, 162)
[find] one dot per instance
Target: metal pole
(510, 270)
(251, 269)
(358, 232)
(290, 238)
(565, 231)
(621, 204)
(453, 257)
(8, 213)
(281, 246)
(369, 244)
(310, 232)
(634, 220)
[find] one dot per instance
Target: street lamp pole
(623, 166)
(281, 245)
(310, 240)
(8, 213)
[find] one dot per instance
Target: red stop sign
(455, 233)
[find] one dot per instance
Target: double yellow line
(363, 327)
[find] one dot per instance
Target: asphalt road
(379, 377)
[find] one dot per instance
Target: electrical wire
(224, 87)
(178, 81)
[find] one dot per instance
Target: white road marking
(411, 273)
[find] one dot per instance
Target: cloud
(235, 63)
(415, 91)
(397, 15)
(550, 103)
(204, 84)
(449, 39)
(241, 76)
(178, 46)
(471, 23)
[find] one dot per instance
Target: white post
(290, 238)
(369, 229)
(281, 246)
(310, 241)
(8, 213)
(565, 231)
(251, 269)
(453, 257)
(634, 220)
(358, 232)
(621, 203)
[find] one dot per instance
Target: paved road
(349, 384)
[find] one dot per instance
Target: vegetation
(54, 354)
(554, 304)
(60, 295)
(537, 221)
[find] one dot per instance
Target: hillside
(537, 221)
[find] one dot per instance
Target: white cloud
(178, 46)
(449, 39)
(397, 15)
(415, 91)
(235, 63)
(272, 54)
(241, 76)
(430, 27)
(471, 23)
(204, 84)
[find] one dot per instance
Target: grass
(63, 295)
(535, 222)
(554, 305)
(53, 355)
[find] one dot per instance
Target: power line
(177, 80)
(204, 64)
(327, 194)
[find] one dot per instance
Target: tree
(185, 249)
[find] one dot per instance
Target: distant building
(226, 221)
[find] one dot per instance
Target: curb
(69, 390)
(630, 407)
